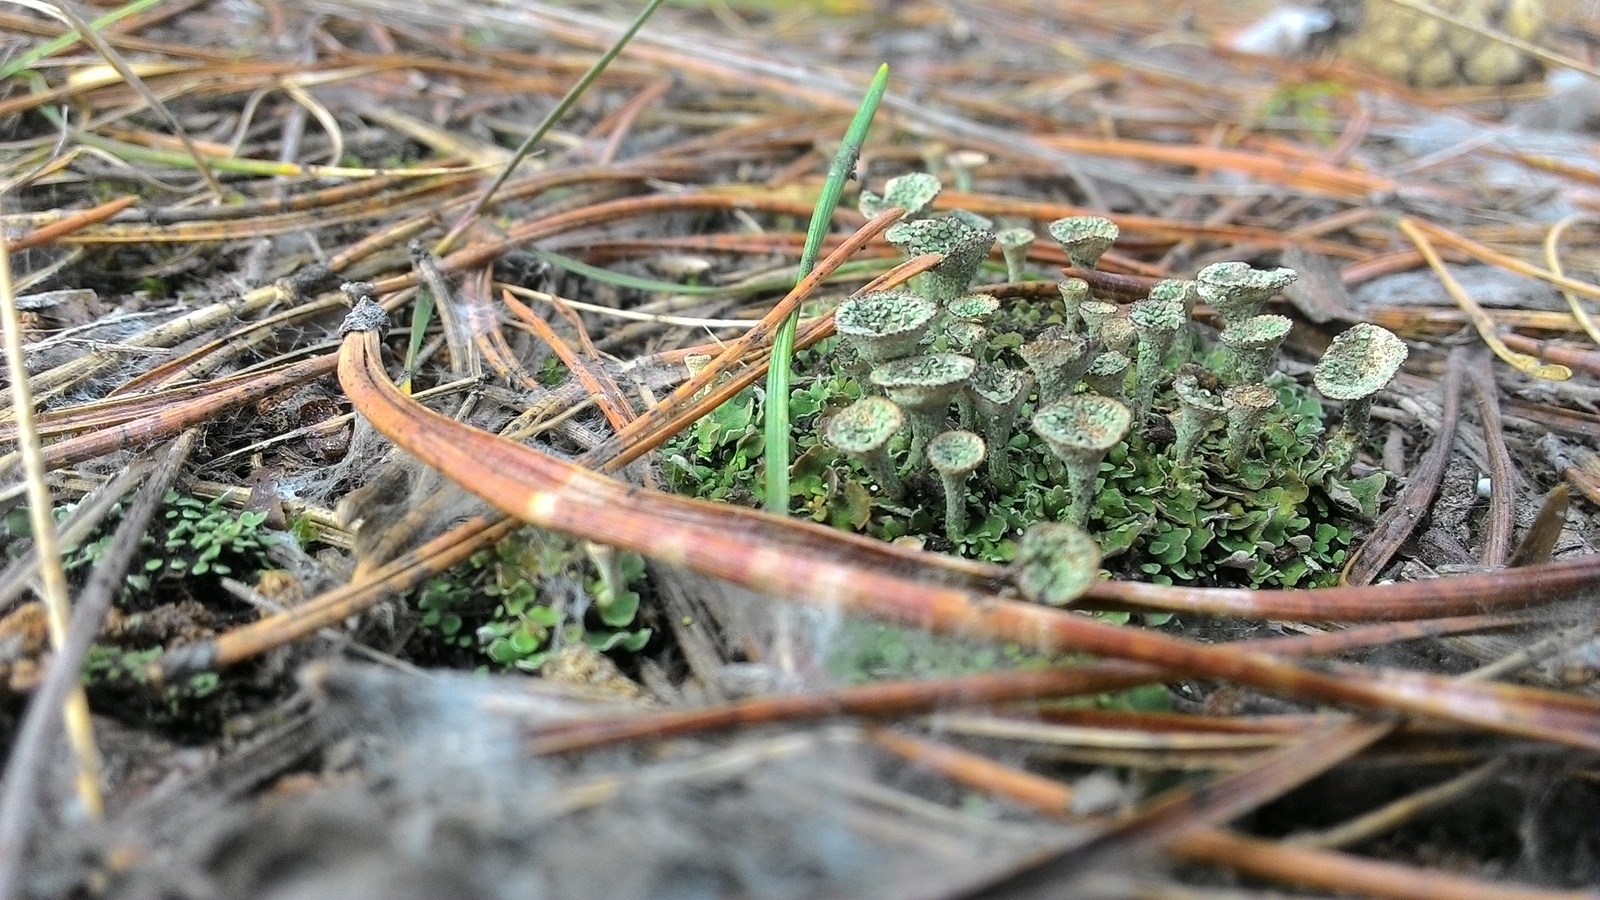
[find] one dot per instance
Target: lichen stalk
(1158, 323)
(1108, 375)
(954, 455)
(1014, 247)
(1085, 238)
(1251, 344)
(862, 431)
(1079, 431)
(1058, 362)
(964, 247)
(1246, 405)
(1197, 410)
(1095, 313)
(996, 397)
(1358, 363)
(1074, 293)
(923, 386)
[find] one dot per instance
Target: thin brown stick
(1502, 474)
(1270, 860)
(169, 422)
(41, 236)
(53, 589)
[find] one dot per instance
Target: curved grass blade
(776, 425)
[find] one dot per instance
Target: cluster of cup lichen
(1178, 447)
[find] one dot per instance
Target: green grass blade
(421, 318)
(777, 406)
(623, 279)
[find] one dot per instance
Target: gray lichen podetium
(884, 325)
(1117, 333)
(1095, 314)
(1184, 292)
(1158, 323)
(1079, 430)
(365, 313)
(924, 387)
(1108, 375)
(862, 430)
(964, 247)
(1237, 290)
(973, 307)
(1014, 247)
(996, 397)
(1056, 563)
(1058, 360)
(1246, 405)
(967, 338)
(1074, 293)
(1252, 343)
(1357, 365)
(1085, 238)
(969, 312)
(954, 455)
(1197, 409)
(913, 193)
(971, 219)
(963, 166)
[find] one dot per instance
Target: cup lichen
(996, 396)
(884, 325)
(964, 248)
(1014, 247)
(968, 317)
(1197, 410)
(862, 431)
(1085, 238)
(1157, 323)
(924, 387)
(964, 165)
(1056, 563)
(1079, 430)
(1074, 293)
(1095, 314)
(1117, 333)
(1108, 374)
(1057, 361)
(913, 192)
(954, 455)
(977, 307)
(1246, 405)
(1238, 290)
(1179, 290)
(1189, 509)
(1251, 344)
(1357, 365)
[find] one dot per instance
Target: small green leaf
(620, 611)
